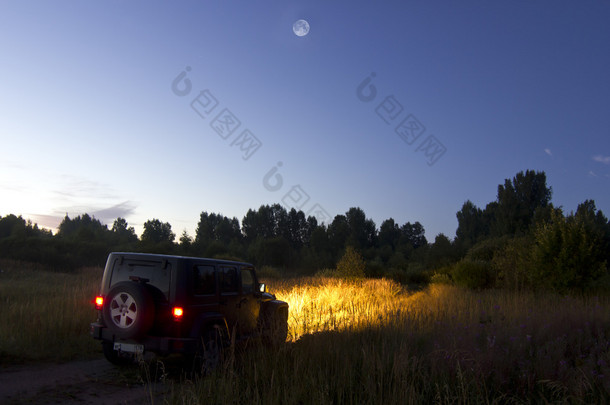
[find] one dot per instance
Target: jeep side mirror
(262, 287)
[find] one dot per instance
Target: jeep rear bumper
(156, 344)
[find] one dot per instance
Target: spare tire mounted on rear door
(129, 310)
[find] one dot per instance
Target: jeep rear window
(204, 280)
(157, 272)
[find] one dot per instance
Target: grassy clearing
(355, 342)
(45, 316)
(371, 342)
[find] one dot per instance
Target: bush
(486, 249)
(441, 278)
(417, 274)
(475, 274)
(512, 264)
(375, 268)
(413, 274)
(568, 254)
(326, 272)
(351, 265)
(398, 275)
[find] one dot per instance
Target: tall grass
(357, 342)
(46, 315)
(371, 342)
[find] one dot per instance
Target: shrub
(512, 263)
(485, 250)
(417, 274)
(441, 278)
(375, 268)
(326, 272)
(413, 274)
(475, 274)
(351, 265)
(397, 275)
(568, 254)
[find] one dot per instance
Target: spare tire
(129, 310)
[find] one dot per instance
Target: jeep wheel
(129, 310)
(209, 354)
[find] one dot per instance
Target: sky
(405, 109)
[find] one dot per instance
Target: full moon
(300, 28)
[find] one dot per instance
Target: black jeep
(173, 304)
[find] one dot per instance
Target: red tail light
(178, 312)
(99, 302)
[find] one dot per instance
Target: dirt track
(81, 382)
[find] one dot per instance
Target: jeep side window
(204, 280)
(247, 281)
(229, 283)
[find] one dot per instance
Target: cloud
(602, 159)
(109, 214)
(105, 215)
(548, 152)
(46, 221)
(592, 174)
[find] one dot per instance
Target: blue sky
(95, 118)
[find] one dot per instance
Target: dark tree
(594, 221)
(156, 231)
(471, 225)
(312, 224)
(518, 200)
(280, 221)
(267, 222)
(11, 225)
(389, 234)
(83, 228)
(249, 226)
(122, 231)
(441, 252)
(413, 234)
(317, 253)
(186, 242)
(338, 232)
(362, 231)
(297, 228)
(217, 228)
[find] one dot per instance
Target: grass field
(372, 342)
(356, 342)
(45, 316)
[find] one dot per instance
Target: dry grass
(356, 342)
(46, 315)
(372, 342)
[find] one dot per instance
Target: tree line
(520, 240)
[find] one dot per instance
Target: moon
(300, 28)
